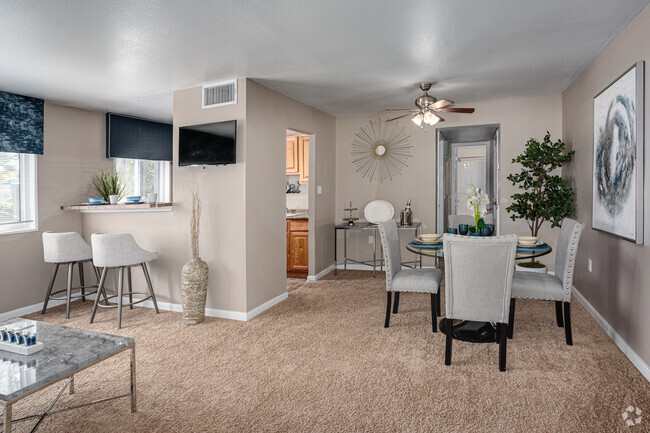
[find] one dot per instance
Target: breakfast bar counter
(120, 207)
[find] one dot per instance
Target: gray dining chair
(478, 284)
(422, 280)
(547, 287)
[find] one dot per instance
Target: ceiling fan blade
(401, 109)
(395, 118)
(456, 110)
(440, 119)
(441, 103)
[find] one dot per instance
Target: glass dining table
(465, 330)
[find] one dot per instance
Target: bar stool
(122, 252)
(68, 249)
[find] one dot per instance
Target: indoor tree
(542, 196)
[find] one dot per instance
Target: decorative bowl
(430, 237)
(527, 240)
(95, 200)
(134, 198)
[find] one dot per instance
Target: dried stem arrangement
(194, 223)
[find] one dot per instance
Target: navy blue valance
(133, 138)
(21, 124)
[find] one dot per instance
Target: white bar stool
(68, 248)
(122, 252)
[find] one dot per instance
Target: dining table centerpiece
(477, 202)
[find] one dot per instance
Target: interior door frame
(453, 149)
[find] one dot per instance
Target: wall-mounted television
(208, 144)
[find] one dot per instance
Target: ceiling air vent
(223, 93)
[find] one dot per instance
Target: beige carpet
(321, 361)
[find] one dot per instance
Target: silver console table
(66, 351)
(375, 231)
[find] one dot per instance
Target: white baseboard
(634, 358)
(29, 309)
(265, 306)
(322, 273)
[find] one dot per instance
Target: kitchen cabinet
(297, 248)
(293, 163)
(303, 158)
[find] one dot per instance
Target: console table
(66, 352)
(375, 231)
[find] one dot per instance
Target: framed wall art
(617, 206)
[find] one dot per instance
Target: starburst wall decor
(380, 150)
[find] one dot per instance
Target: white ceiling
(344, 57)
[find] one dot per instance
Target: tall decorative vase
(195, 289)
(195, 273)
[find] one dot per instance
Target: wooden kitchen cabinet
(293, 160)
(303, 158)
(297, 248)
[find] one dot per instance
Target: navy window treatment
(21, 124)
(133, 138)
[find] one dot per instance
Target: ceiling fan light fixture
(430, 118)
(417, 119)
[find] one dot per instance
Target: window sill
(18, 231)
(110, 208)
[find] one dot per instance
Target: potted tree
(542, 196)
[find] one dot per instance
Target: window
(17, 193)
(143, 176)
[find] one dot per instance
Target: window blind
(133, 138)
(17, 192)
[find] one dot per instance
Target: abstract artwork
(618, 157)
(380, 150)
(21, 124)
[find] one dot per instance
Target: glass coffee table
(66, 351)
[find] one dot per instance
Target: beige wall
(520, 119)
(269, 115)
(617, 287)
(73, 151)
(223, 229)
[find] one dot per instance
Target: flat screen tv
(208, 144)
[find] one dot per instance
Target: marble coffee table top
(65, 351)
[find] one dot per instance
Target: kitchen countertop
(297, 214)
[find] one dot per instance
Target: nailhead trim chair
(121, 252)
(547, 287)
(398, 280)
(67, 249)
(478, 284)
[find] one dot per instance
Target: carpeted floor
(321, 361)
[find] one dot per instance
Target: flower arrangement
(477, 202)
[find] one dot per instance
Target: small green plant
(109, 183)
(543, 196)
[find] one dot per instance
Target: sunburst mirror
(380, 150)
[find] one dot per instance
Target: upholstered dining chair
(478, 284)
(547, 287)
(422, 280)
(121, 251)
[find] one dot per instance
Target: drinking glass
(463, 229)
(452, 230)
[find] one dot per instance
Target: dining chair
(547, 287)
(478, 284)
(68, 249)
(422, 280)
(121, 251)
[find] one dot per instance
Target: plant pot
(113, 199)
(531, 267)
(195, 288)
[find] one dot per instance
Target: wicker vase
(195, 289)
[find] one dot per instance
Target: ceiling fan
(427, 109)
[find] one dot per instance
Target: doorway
(467, 155)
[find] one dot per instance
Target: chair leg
(69, 290)
(100, 288)
(396, 303)
(502, 345)
(388, 299)
(511, 320)
(49, 289)
(438, 306)
(448, 330)
(153, 295)
(128, 280)
(82, 281)
(434, 315)
(120, 291)
(567, 323)
(558, 313)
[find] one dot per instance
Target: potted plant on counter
(542, 196)
(109, 185)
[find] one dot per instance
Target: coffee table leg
(133, 390)
(72, 385)
(7, 420)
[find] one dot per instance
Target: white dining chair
(422, 280)
(121, 251)
(547, 287)
(478, 284)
